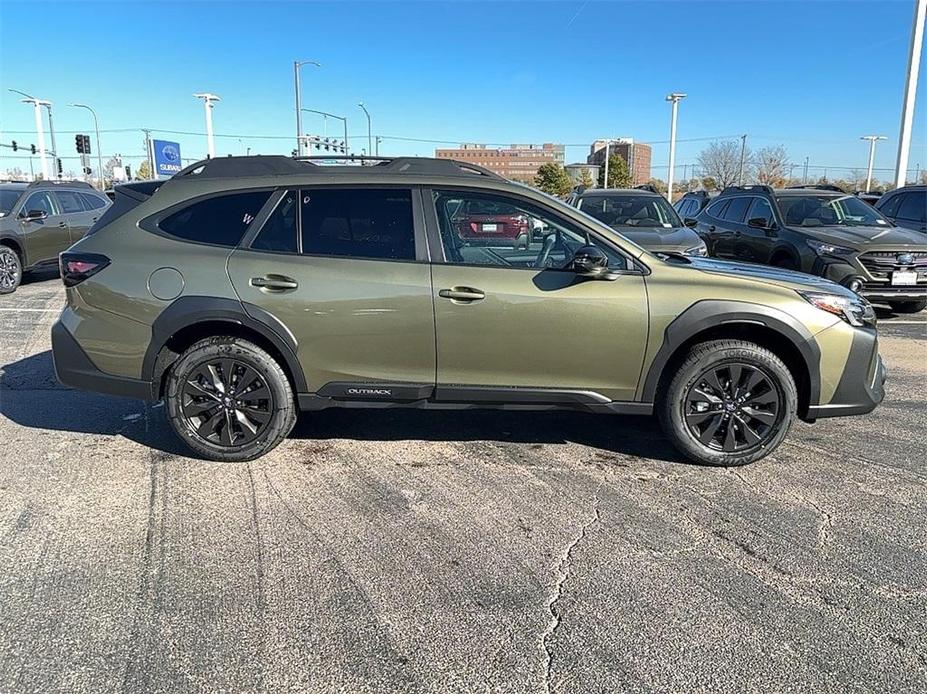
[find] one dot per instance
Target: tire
(908, 306)
(229, 400)
(11, 270)
(761, 415)
(786, 262)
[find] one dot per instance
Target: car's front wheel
(731, 402)
(908, 306)
(229, 400)
(11, 270)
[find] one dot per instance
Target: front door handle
(711, 227)
(274, 283)
(467, 294)
(62, 224)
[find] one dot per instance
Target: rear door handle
(62, 224)
(467, 294)
(274, 283)
(711, 227)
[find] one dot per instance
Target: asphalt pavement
(412, 551)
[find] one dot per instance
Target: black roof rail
(818, 186)
(649, 187)
(52, 184)
(756, 187)
(272, 165)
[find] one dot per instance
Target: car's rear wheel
(11, 270)
(908, 306)
(730, 403)
(229, 400)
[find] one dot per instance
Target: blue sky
(812, 76)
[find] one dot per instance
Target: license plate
(904, 278)
(490, 227)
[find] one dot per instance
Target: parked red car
(484, 219)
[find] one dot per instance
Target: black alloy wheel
(11, 271)
(733, 407)
(226, 402)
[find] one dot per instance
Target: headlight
(856, 311)
(701, 250)
(822, 248)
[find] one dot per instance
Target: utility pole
(674, 98)
(743, 158)
(805, 177)
(872, 145)
(39, 129)
(910, 92)
(369, 135)
(605, 182)
(377, 143)
(149, 154)
(299, 106)
(208, 100)
(56, 160)
(96, 127)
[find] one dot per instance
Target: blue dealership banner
(167, 157)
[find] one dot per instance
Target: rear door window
(221, 220)
(93, 202)
(372, 223)
(279, 233)
(69, 201)
(717, 208)
(736, 210)
(913, 207)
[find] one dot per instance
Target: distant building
(635, 154)
(575, 172)
(517, 162)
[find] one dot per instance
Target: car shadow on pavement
(31, 396)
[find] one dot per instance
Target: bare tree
(771, 165)
(720, 161)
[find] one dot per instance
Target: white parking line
(904, 322)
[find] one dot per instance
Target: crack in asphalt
(563, 572)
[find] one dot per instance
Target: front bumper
(862, 385)
(74, 368)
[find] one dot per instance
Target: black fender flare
(710, 313)
(189, 310)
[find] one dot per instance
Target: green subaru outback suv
(244, 289)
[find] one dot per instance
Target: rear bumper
(74, 369)
(862, 385)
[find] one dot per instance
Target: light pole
(299, 106)
(96, 127)
(208, 100)
(872, 145)
(673, 98)
(332, 115)
(605, 180)
(743, 159)
(910, 92)
(56, 160)
(39, 129)
(369, 135)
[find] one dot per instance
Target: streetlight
(674, 98)
(39, 129)
(332, 115)
(96, 127)
(369, 135)
(299, 107)
(208, 100)
(910, 92)
(872, 145)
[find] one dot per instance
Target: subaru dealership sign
(166, 157)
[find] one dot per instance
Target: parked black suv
(906, 207)
(40, 220)
(822, 232)
(693, 202)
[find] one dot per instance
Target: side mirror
(591, 261)
(34, 215)
(690, 222)
(759, 223)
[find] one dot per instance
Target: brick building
(635, 154)
(517, 162)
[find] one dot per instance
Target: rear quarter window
(220, 221)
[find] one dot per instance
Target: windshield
(631, 211)
(827, 210)
(8, 198)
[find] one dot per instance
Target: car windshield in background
(631, 211)
(8, 198)
(827, 210)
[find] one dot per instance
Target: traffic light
(128, 172)
(15, 146)
(79, 143)
(33, 148)
(60, 168)
(86, 143)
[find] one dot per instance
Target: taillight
(76, 267)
